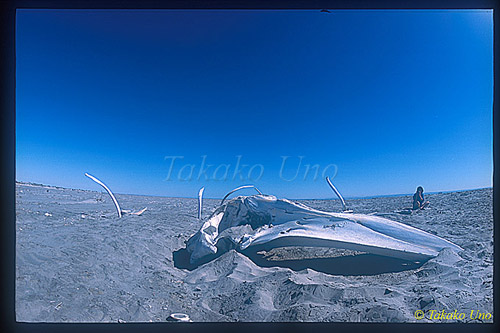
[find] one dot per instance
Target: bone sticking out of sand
(200, 201)
(239, 188)
(344, 207)
(109, 192)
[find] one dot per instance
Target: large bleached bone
(118, 210)
(344, 207)
(265, 222)
(200, 202)
(240, 188)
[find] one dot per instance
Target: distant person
(418, 199)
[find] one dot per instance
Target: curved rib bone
(109, 192)
(344, 207)
(240, 188)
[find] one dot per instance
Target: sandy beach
(76, 261)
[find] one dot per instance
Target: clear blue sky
(394, 99)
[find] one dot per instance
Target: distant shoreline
(330, 198)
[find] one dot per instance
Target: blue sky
(381, 101)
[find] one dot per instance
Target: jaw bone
(263, 222)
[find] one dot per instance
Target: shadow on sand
(361, 264)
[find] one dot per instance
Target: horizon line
(329, 198)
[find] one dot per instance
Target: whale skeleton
(117, 206)
(263, 222)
